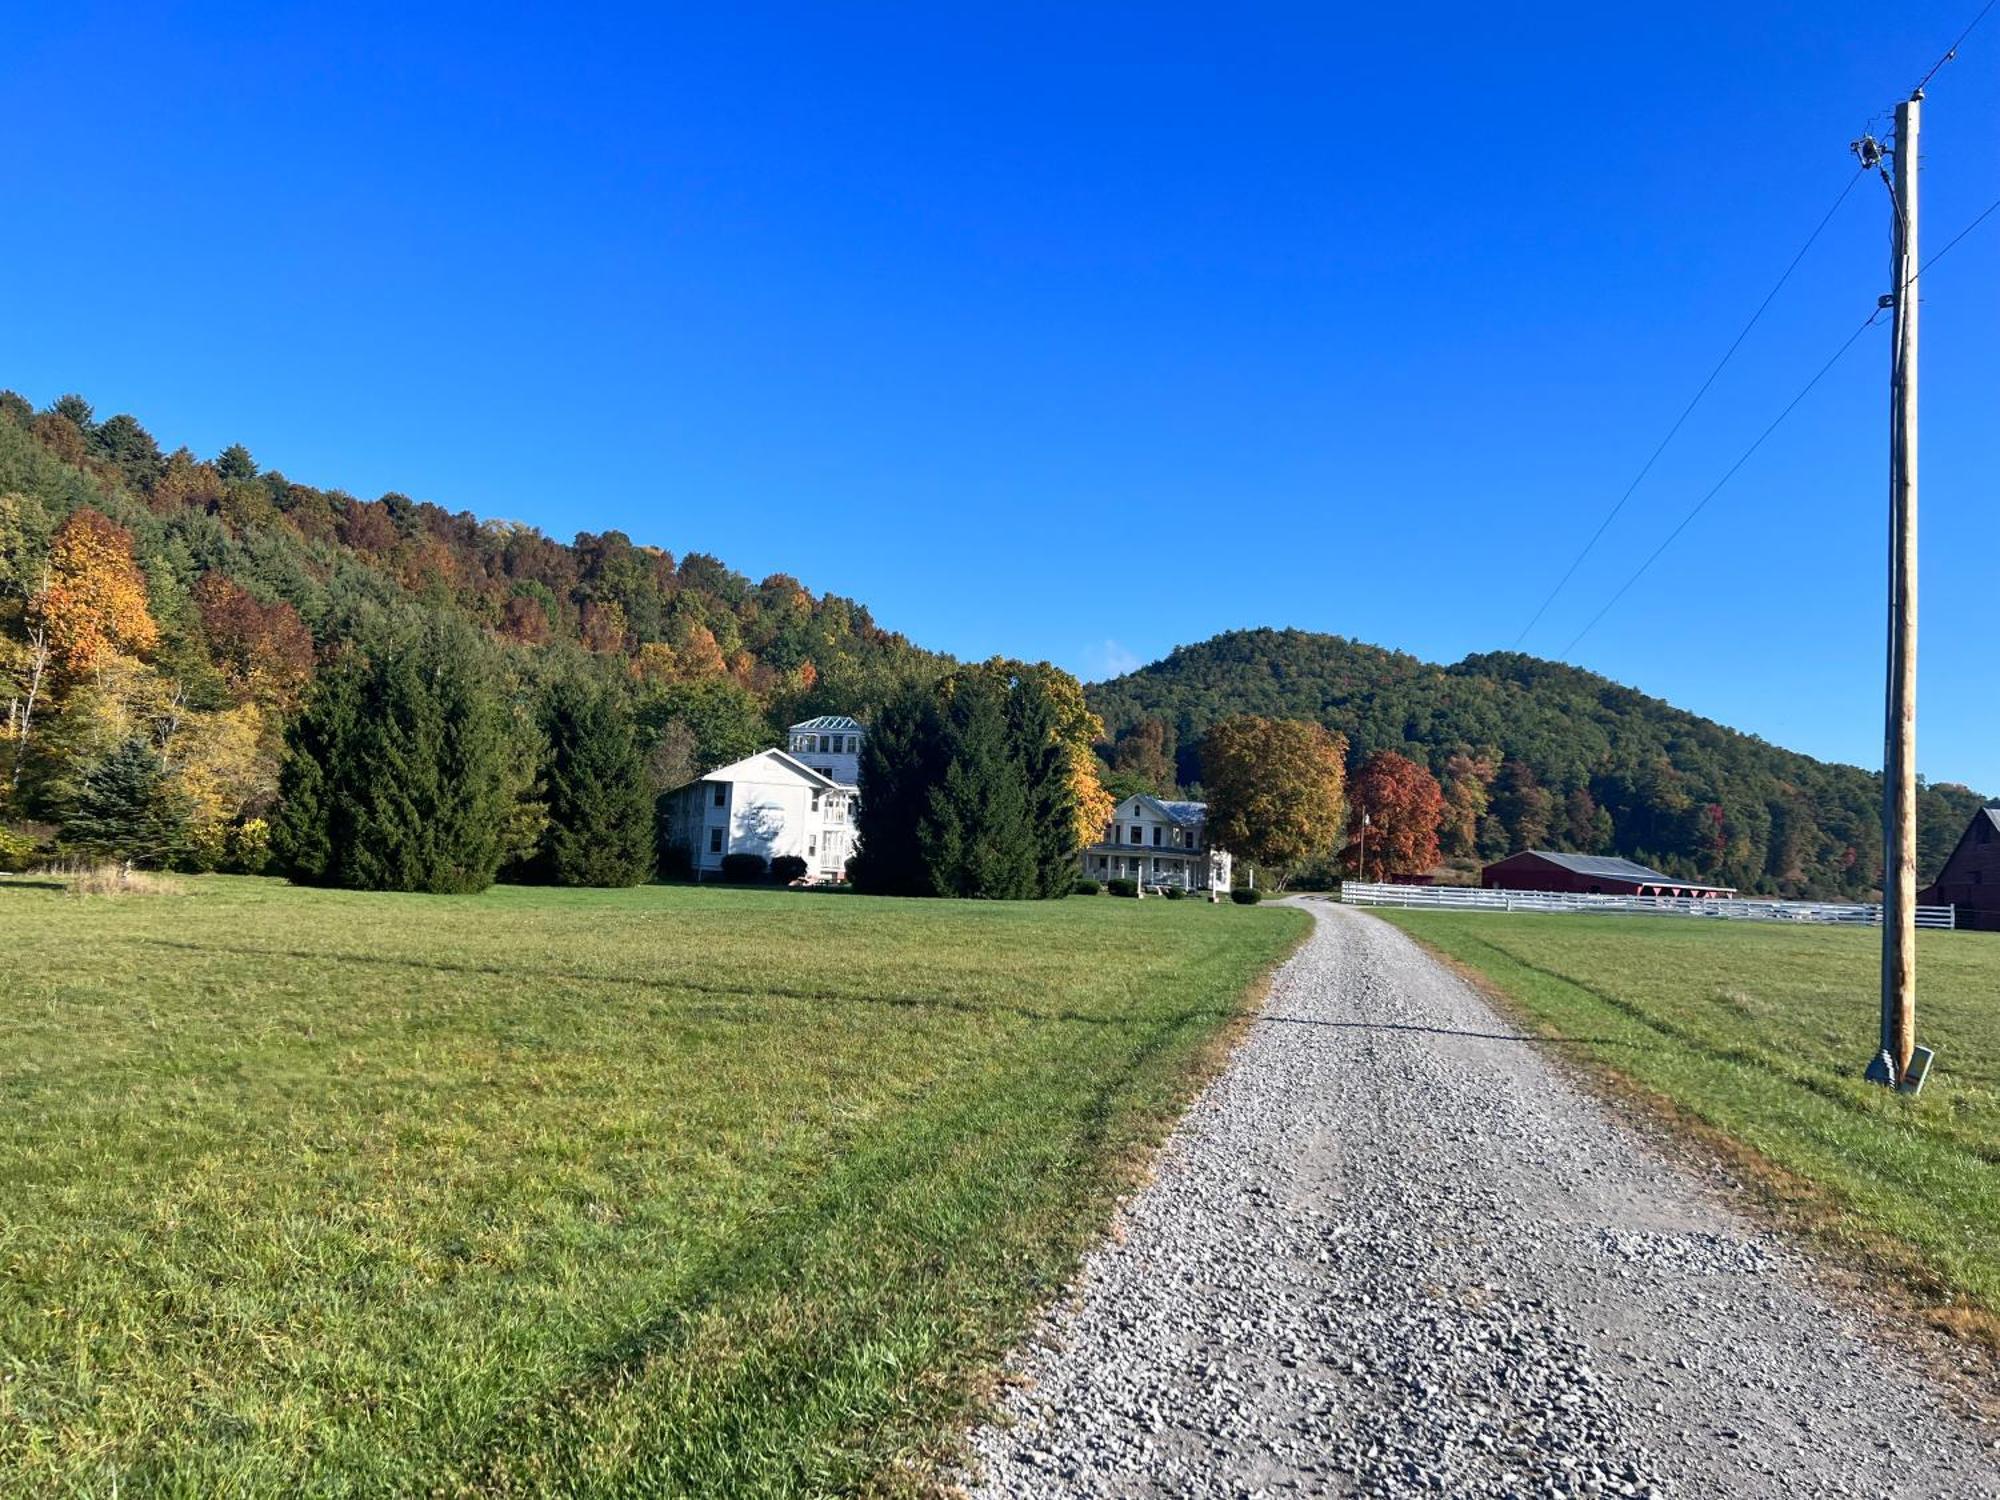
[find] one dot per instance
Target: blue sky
(1062, 331)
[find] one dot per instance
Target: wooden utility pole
(1899, 776)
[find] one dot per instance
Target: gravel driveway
(1393, 1252)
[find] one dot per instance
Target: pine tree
(406, 787)
(900, 760)
(599, 813)
(124, 809)
(976, 834)
(1034, 732)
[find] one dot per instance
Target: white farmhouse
(831, 745)
(1160, 843)
(769, 804)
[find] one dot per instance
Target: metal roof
(839, 722)
(1607, 865)
(1187, 814)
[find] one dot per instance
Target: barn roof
(1604, 866)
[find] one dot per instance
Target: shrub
(1176, 893)
(787, 868)
(743, 867)
(1122, 887)
(676, 862)
(1086, 888)
(17, 851)
(1246, 897)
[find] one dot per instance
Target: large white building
(831, 745)
(769, 804)
(1161, 844)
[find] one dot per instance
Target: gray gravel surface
(1392, 1251)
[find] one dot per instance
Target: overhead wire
(1702, 504)
(1688, 410)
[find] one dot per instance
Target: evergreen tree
(976, 835)
(1034, 732)
(124, 809)
(599, 812)
(408, 787)
(900, 760)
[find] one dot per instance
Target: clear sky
(1068, 331)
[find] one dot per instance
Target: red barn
(1970, 879)
(1589, 875)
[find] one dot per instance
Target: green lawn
(658, 1192)
(1761, 1032)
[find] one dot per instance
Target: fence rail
(1475, 898)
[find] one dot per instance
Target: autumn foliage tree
(1275, 790)
(1404, 806)
(94, 599)
(263, 649)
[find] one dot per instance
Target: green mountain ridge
(1576, 761)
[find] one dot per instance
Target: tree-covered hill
(189, 603)
(1535, 753)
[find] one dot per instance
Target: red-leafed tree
(1404, 806)
(263, 649)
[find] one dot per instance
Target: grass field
(652, 1192)
(1761, 1032)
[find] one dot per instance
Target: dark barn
(1970, 879)
(1589, 875)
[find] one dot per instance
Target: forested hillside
(1534, 753)
(188, 604)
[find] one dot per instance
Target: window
(1159, 834)
(715, 841)
(812, 848)
(721, 794)
(815, 806)
(854, 744)
(1138, 834)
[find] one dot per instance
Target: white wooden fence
(1474, 898)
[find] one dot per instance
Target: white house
(770, 804)
(1160, 843)
(831, 745)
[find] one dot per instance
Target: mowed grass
(1761, 1032)
(653, 1192)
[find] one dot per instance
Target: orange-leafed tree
(1404, 807)
(1275, 790)
(94, 601)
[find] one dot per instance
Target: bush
(17, 851)
(1086, 888)
(787, 868)
(676, 862)
(1246, 897)
(743, 867)
(1176, 893)
(1122, 887)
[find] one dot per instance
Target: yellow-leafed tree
(94, 601)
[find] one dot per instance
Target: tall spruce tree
(976, 833)
(397, 777)
(125, 810)
(900, 759)
(599, 828)
(1035, 733)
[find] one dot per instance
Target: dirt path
(1393, 1252)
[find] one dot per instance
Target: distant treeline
(1531, 753)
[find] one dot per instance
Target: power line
(1952, 51)
(1983, 215)
(1702, 504)
(1688, 410)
